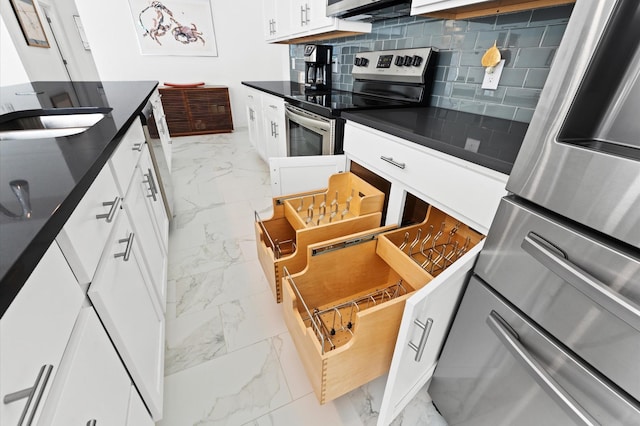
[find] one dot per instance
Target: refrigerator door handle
(537, 371)
(547, 254)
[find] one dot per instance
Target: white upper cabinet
(301, 21)
(427, 6)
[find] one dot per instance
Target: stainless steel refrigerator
(548, 331)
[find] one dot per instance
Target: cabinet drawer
(345, 308)
(84, 235)
(34, 332)
(307, 218)
(124, 298)
(92, 383)
(469, 191)
(126, 156)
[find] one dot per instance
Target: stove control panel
(405, 65)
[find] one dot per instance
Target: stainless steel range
(548, 331)
(382, 79)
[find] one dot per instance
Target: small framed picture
(30, 23)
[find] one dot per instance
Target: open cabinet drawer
(349, 205)
(344, 310)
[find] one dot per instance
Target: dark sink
(49, 123)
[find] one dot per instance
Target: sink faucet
(20, 188)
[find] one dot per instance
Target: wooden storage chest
(197, 110)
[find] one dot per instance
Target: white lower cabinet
(414, 172)
(33, 334)
(124, 297)
(267, 131)
(91, 384)
(141, 202)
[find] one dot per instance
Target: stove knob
(358, 62)
(399, 61)
(417, 60)
(364, 62)
(408, 61)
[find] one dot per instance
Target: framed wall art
(174, 27)
(30, 23)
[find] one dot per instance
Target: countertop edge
(20, 271)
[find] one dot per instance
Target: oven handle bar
(541, 250)
(537, 371)
(306, 119)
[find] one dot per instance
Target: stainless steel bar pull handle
(112, 211)
(391, 161)
(306, 13)
(275, 130)
(153, 189)
(552, 258)
(426, 329)
(499, 326)
(92, 422)
(137, 147)
(127, 251)
(302, 21)
(29, 393)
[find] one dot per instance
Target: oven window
(303, 141)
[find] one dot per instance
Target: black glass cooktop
(333, 102)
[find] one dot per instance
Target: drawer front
(92, 383)
(34, 333)
(467, 191)
(126, 156)
(583, 291)
(84, 235)
(499, 367)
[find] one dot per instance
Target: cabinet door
(254, 118)
(290, 175)
(426, 320)
(268, 18)
(161, 125)
(92, 383)
(139, 205)
(316, 14)
(124, 297)
(275, 131)
(154, 199)
(126, 156)
(85, 233)
(33, 334)
(138, 414)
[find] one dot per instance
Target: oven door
(308, 133)
(581, 154)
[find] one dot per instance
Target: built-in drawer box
(344, 309)
(349, 205)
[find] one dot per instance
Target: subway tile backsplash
(527, 41)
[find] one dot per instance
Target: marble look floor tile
(308, 412)
(214, 255)
(248, 247)
(250, 319)
(294, 372)
(420, 411)
(193, 339)
(230, 390)
(236, 281)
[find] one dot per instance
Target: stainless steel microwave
(347, 8)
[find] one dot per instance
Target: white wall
(40, 63)
(11, 69)
(242, 52)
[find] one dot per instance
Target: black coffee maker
(317, 67)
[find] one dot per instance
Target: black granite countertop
(58, 170)
(490, 142)
(281, 89)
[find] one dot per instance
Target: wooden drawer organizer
(344, 310)
(347, 206)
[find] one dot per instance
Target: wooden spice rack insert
(283, 239)
(344, 309)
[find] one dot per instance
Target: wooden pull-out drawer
(344, 309)
(307, 218)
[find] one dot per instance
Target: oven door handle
(554, 259)
(311, 123)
